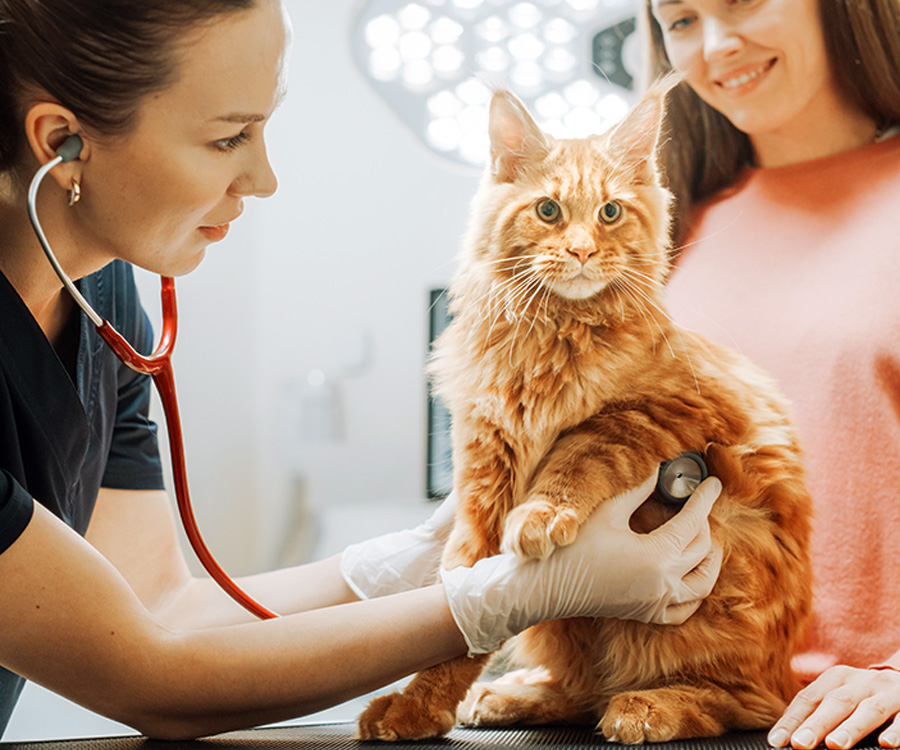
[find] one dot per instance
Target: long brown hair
(705, 152)
(98, 58)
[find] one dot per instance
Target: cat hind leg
(681, 712)
(501, 703)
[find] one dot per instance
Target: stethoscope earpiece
(679, 477)
(70, 149)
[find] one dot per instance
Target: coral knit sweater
(798, 267)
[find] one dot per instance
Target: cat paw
(398, 717)
(484, 707)
(537, 527)
(633, 719)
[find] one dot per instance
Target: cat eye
(548, 210)
(611, 212)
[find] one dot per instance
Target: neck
(846, 129)
(27, 269)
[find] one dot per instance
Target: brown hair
(98, 58)
(706, 152)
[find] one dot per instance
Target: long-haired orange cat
(568, 384)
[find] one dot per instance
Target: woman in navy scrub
(171, 98)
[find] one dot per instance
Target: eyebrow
(239, 117)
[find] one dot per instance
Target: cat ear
(634, 140)
(515, 137)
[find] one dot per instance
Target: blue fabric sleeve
(16, 509)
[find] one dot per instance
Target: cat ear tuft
(515, 137)
(635, 139)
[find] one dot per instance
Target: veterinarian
(785, 162)
(170, 99)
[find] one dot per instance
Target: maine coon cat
(568, 384)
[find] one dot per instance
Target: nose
(258, 179)
(580, 244)
(719, 40)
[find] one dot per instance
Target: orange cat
(568, 384)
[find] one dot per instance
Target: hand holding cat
(402, 560)
(841, 706)
(608, 571)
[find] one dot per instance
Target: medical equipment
(159, 366)
(679, 477)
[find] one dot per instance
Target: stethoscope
(159, 366)
(677, 478)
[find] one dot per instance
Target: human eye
(679, 24)
(230, 144)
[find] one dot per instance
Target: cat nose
(582, 253)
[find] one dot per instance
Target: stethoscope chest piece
(679, 477)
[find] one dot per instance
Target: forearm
(71, 623)
(200, 603)
(268, 671)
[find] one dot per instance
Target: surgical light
(434, 62)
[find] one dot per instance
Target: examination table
(339, 736)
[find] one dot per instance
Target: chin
(579, 290)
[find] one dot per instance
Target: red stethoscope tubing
(159, 366)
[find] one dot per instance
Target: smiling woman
(785, 163)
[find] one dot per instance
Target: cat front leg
(427, 706)
(584, 468)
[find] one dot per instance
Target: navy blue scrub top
(60, 441)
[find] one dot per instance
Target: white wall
(332, 273)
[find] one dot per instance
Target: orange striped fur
(568, 384)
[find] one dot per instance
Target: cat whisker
(628, 289)
(512, 343)
(675, 328)
(645, 302)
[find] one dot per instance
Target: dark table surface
(339, 736)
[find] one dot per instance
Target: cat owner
(171, 98)
(785, 161)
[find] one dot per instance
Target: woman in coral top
(786, 173)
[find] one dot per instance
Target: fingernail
(805, 738)
(889, 740)
(840, 738)
(778, 737)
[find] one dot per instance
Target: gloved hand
(608, 571)
(402, 560)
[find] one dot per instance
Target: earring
(74, 193)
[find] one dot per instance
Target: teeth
(742, 79)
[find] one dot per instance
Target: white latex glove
(402, 560)
(608, 571)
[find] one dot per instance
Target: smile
(745, 78)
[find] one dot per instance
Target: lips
(744, 76)
(216, 233)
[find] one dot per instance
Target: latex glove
(608, 571)
(402, 560)
(841, 707)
